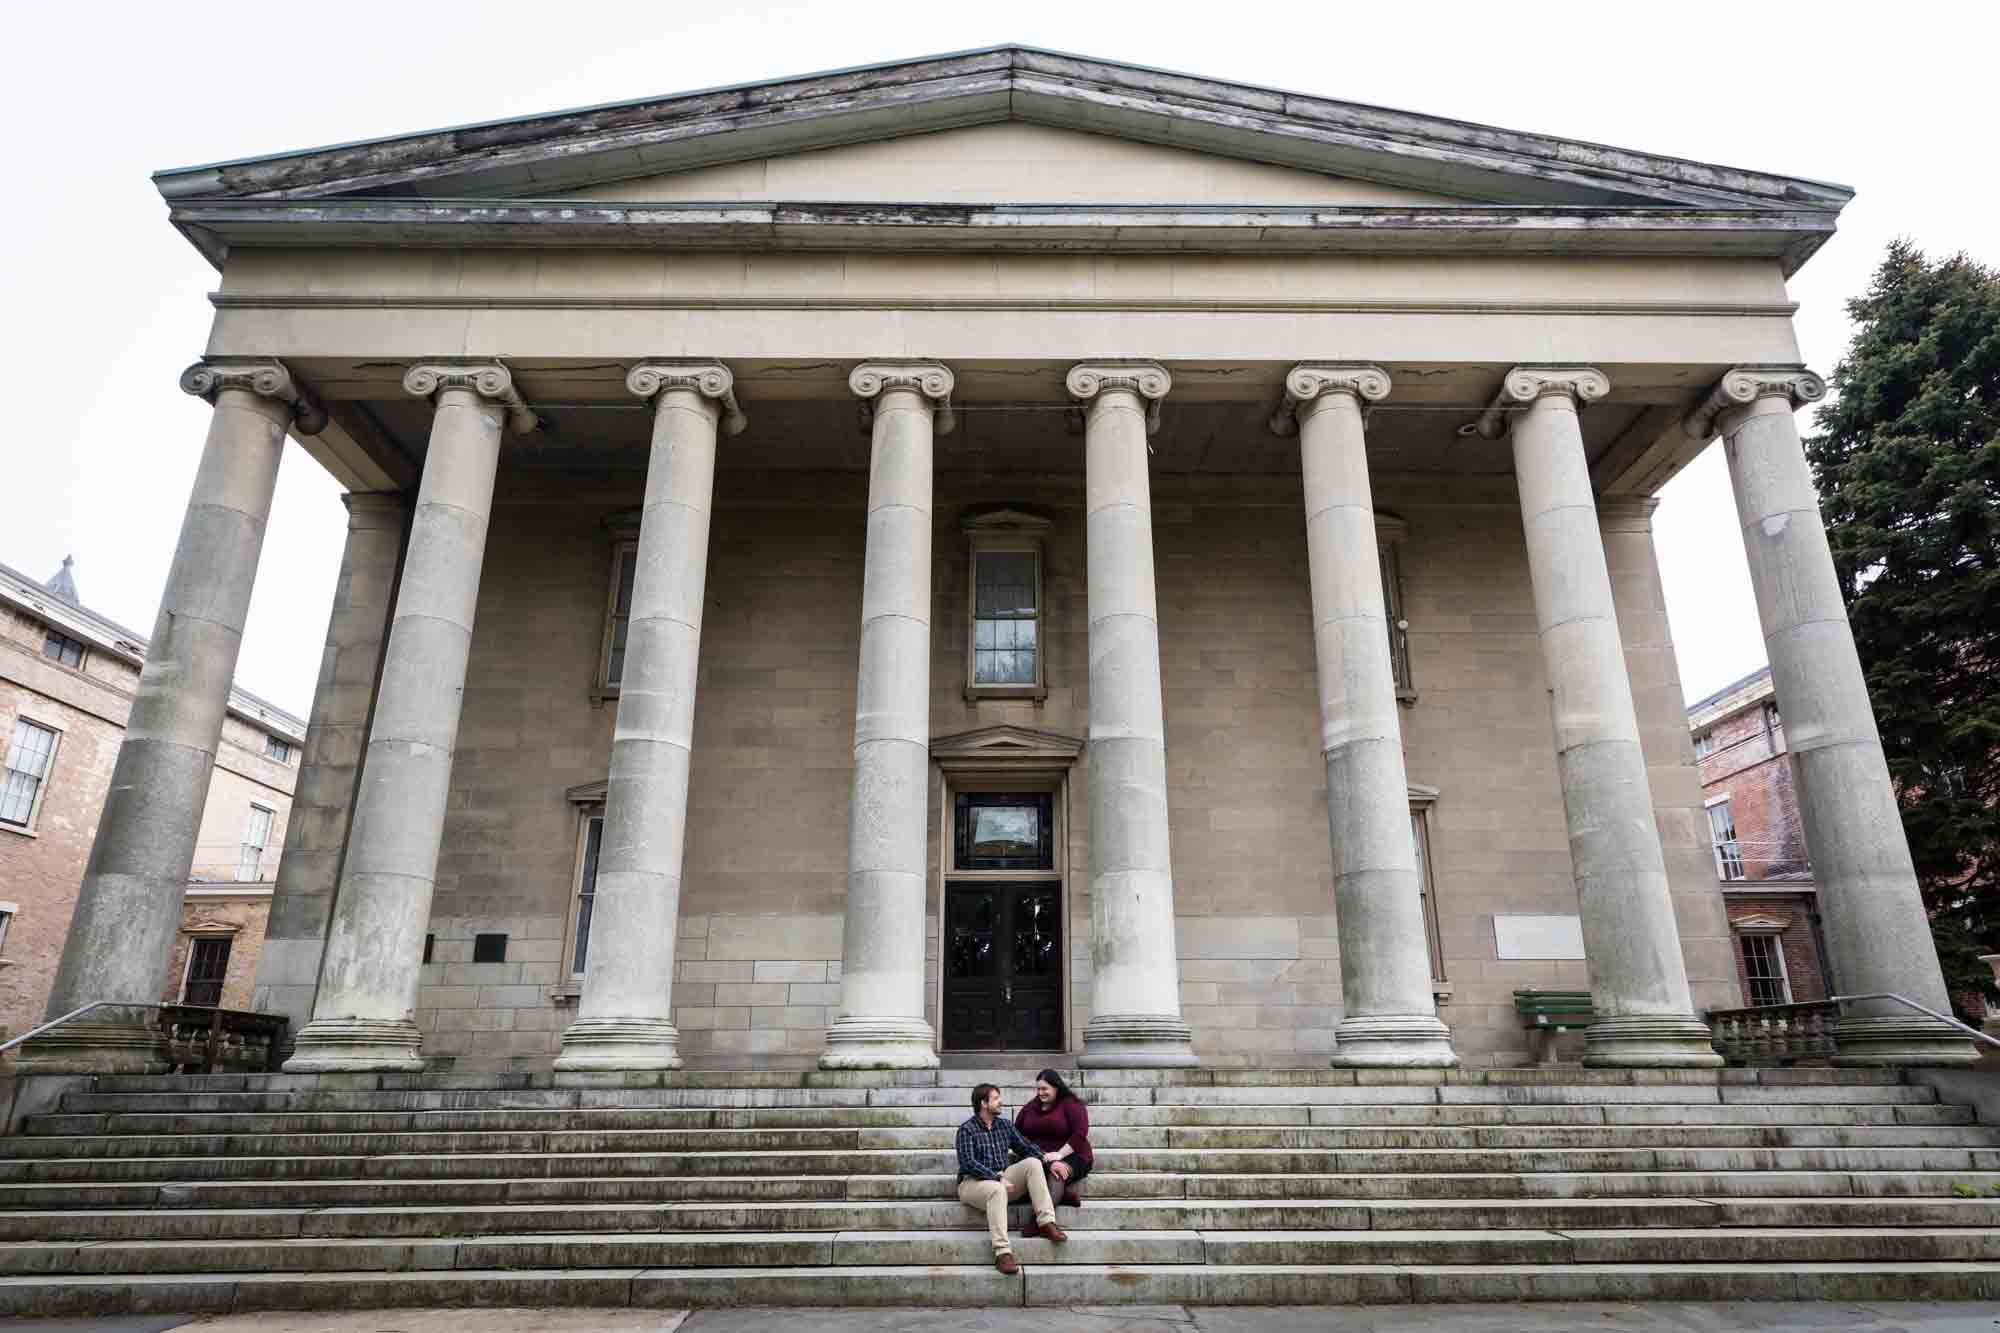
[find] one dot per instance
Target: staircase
(1267, 1187)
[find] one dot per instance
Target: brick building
(67, 680)
(1758, 842)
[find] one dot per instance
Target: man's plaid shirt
(984, 1153)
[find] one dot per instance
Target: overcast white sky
(105, 304)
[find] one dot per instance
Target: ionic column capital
(488, 379)
(1147, 379)
(711, 379)
(267, 378)
(1745, 385)
(1310, 381)
(1525, 385)
(933, 381)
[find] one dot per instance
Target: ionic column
(129, 905)
(881, 1022)
(624, 1019)
(330, 763)
(364, 1016)
(1135, 1018)
(1878, 931)
(1390, 1015)
(1638, 978)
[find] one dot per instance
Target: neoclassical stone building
(997, 553)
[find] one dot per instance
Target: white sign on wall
(1538, 937)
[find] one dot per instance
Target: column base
(130, 1047)
(357, 1045)
(1393, 1041)
(619, 1043)
(1900, 1040)
(1650, 1041)
(860, 1041)
(1137, 1041)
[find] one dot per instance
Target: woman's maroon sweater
(1068, 1121)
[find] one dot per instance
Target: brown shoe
(1006, 1262)
(1051, 1231)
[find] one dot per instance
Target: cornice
(711, 379)
(488, 379)
(1309, 380)
(1743, 386)
(266, 378)
(930, 380)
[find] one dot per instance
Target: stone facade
(88, 703)
(789, 415)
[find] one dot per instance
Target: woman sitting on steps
(1056, 1121)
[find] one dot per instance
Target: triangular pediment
(1007, 741)
(819, 131)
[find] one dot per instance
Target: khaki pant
(993, 1196)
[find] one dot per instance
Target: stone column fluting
(129, 904)
(330, 763)
(1389, 1013)
(1878, 932)
(364, 1016)
(1135, 1011)
(624, 1018)
(880, 1023)
(1638, 977)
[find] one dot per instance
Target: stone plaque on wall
(1538, 937)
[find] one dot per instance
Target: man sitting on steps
(989, 1177)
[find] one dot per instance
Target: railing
(1775, 1033)
(198, 1038)
(1783, 1033)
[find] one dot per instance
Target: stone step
(911, 1117)
(982, 1286)
(966, 1247)
(321, 1192)
(1444, 1094)
(1006, 1076)
(868, 1161)
(939, 1139)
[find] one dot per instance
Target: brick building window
(31, 754)
(1764, 969)
(256, 837)
(207, 969)
(278, 749)
(62, 648)
(1006, 651)
(7, 911)
(1704, 744)
(1722, 835)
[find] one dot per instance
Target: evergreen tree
(1907, 460)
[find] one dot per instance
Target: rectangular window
(1704, 744)
(207, 969)
(7, 911)
(1722, 832)
(256, 837)
(62, 648)
(489, 948)
(30, 755)
(1000, 831)
(624, 572)
(1006, 648)
(1399, 625)
(275, 748)
(1764, 970)
(586, 891)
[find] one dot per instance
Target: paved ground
(1862, 1317)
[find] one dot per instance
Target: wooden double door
(1003, 952)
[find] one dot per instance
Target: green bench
(1552, 1013)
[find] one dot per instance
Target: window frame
(1005, 531)
(43, 783)
(1704, 743)
(278, 749)
(1734, 856)
(63, 642)
(1776, 940)
(242, 852)
(569, 983)
(1422, 800)
(8, 911)
(624, 531)
(228, 942)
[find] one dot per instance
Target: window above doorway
(1006, 653)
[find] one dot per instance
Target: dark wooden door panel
(1002, 965)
